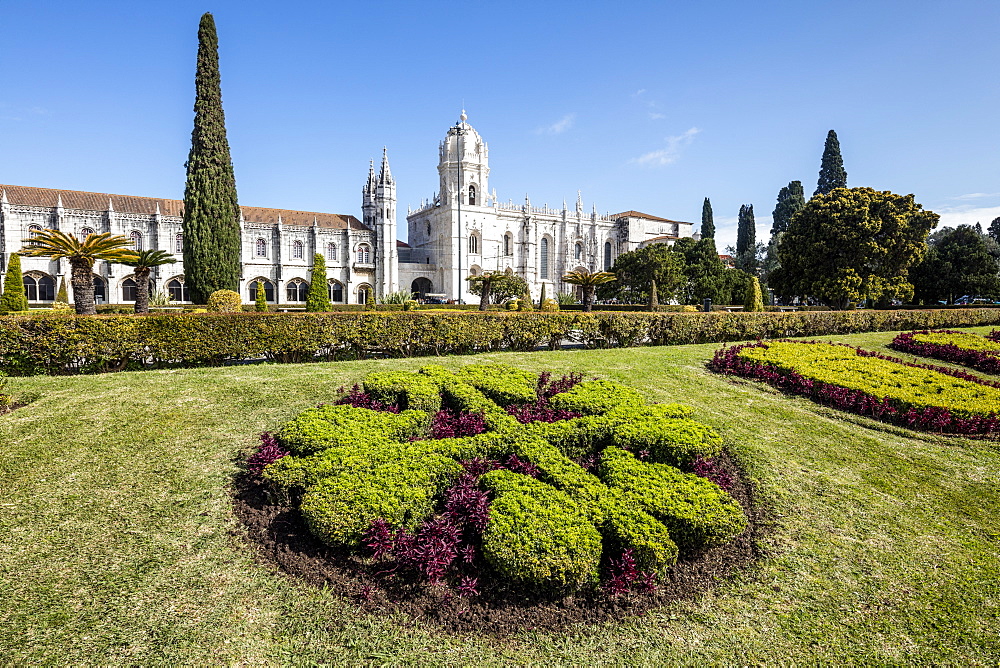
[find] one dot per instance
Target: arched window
(474, 245)
(578, 253)
(336, 292)
(100, 290)
(508, 245)
(297, 250)
(261, 248)
(128, 290)
(178, 291)
(86, 232)
(33, 230)
(607, 255)
(268, 289)
(179, 245)
(364, 255)
(296, 290)
(474, 270)
(544, 258)
(428, 228)
(472, 194)
(364, 294)
(39, 288)
(136, 238)
(331, 251)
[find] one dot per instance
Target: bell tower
(383, 209)
(463, 166)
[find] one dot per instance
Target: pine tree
(791, 199)
(62, 295)
(261, 303)
(541, 300)
(831, 170)
(707, 223)
(318, 297)
(13, 298)
(994, 229)
(211, 210)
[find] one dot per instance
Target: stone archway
(420, 287)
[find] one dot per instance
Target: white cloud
(656, 116)
(559, 127)
(976, 196)
(968, 216)
(671, 153)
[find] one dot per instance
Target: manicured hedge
(916, 395)
(91, 344)
(977, 352)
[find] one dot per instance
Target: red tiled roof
(401, 244)
(75, 199)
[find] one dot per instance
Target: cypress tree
(831, 170)
(318, 298)
(211, 211)
(541, 300)
(746, 231)
(654, 300)
(707, 223)
(753, 299)
(62, 295)
(261, 302)
(791, 198)
(13, 298)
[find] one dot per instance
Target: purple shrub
(465, 503)
(477, 466)
(269, 451)
(547, 388)
(709, 468)
(358, 398)
(624, 575)
(539, 412)
(469, 586)
(977, 359)
(380, 539)
(518, 465)
(448, 424)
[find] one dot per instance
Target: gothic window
(331, 251)
(336, 292)
(544, 259)
(100, 290)
(296, 290)
(428, 228)
(86, 232)
(179, 244)
(364, 294)
(136, 238)
(297, 250)
(472, 194)
(607, 256)
(39, 288)
(474, 245)
(578, 253)
(508, 246)
(473, 270)
(364, 255)
(178, 291)
(33, 230)
(268, 289)
(261, 247)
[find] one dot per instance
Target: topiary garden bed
(978, 352)
(495, 499)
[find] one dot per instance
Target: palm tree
(81, 255)
(144, 262)
(589, 280)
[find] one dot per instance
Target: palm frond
(56, 244)
(589, 278)
(147, 259)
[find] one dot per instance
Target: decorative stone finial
(463, 116)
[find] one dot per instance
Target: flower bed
(490, 486)
(859, 381)
(978, 352)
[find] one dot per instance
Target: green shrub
(697, 512)
(404, 389)
(464, 397)
(593, 397)
(674, 441)
(549, 306)
(501, 383)
(13, 299)
(325, 427)
(225, 301)
(537, 535)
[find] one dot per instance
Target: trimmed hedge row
(93, 344)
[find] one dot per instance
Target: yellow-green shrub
(225, 301)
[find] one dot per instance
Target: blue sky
(641, 105)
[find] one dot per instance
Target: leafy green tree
(81, 255)
(589, 280)
(496, 285)
(211, 210)
(791, 199)
(831, 170)
(636, 269)
(13, 297)
(318, 297)
(62, 295)
(707, 222)
(733, 286)
(261, 302)
(143, 264)
(994, 229)
(958, 262)
(753, 299)
(854, 244)
(703, 270)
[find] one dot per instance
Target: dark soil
(282, 540)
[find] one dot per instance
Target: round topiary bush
(225, 301)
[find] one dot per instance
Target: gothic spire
(384, 175)
(370, 184)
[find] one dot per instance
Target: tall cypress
(707, 223)
(831, 170)
(746, 230)
(791, 198)
(211, 209)
(318, 297)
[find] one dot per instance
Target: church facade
(462, 230)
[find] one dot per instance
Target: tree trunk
(142, 291)
(588, 298)
(484, 299)
(83, 287)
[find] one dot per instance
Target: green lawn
(119, 544)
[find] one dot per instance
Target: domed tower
(463, 165)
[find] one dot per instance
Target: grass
(119, 544)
